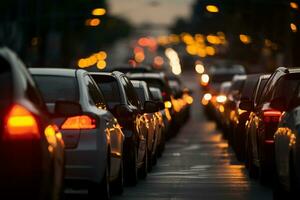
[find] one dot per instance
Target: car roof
(147, 75)
(55, 71)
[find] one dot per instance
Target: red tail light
(21, 124)
(79, 122)
(271, 116)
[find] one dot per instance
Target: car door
(140, 124)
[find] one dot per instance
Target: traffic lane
(198, 164)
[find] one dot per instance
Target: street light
(212, 8)
(99, 11)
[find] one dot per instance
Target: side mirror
(67, 108)
(160, 105)
(278, 103)
(246, 105)
(150, 107)
(123, 111)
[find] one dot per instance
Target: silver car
(93, 138)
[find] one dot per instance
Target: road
(197, 164)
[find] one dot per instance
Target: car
(159, 80)
(31, 146)
(211, 81)
(240, 116)
(286, 142)
(157, 97)
(231, 105)
(124, 103)
(93, 137)
(155, 123)
(263, 122)
(249, 106)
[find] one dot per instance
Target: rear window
(110, 89)
(54, 88)
(141, 94)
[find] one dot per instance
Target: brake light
(271, 116)
(21, 124)
(79, 122)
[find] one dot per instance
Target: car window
(267, 91)
(94, 93)
(54, 88)
(110, 89)
(141, 94)
(260, 86)
(130, 92)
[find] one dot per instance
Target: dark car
(211, 81)
(31, 147)
(287, 146)
(124, 103)
(155, 123)
(159, 80)
(264, 120)
(231, 104)
(240, 116)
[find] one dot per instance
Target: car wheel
(131, 172)
(143, 171)
(118, 184)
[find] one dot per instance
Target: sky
(162, 12)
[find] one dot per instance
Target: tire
(131, 171)
(117, 186)
(143, 171)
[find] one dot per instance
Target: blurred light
(158, 61)
(199, 68)
(101, 55)
(201, 52)
(221, 98)
(204, 79)
(82, 63)
(294, 5)
(210, 50)
(139, 57)
(188, 39)
(174, 61)
(207, 96)
(245, 39)
(191, 49)
(173, 38)
(99, 11)
(199, 38)
(293, 27)
(92, 22)
(101, 64)
(212, 8)
(240, 111)
(221, 108)
(168, 104)
(34, 41)
(213, 39)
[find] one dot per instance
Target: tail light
(21, 124)
(271, 116)
(79, 122)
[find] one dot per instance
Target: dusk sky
(151, 11)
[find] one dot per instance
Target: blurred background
(172, 34)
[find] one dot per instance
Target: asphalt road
(197, 164)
